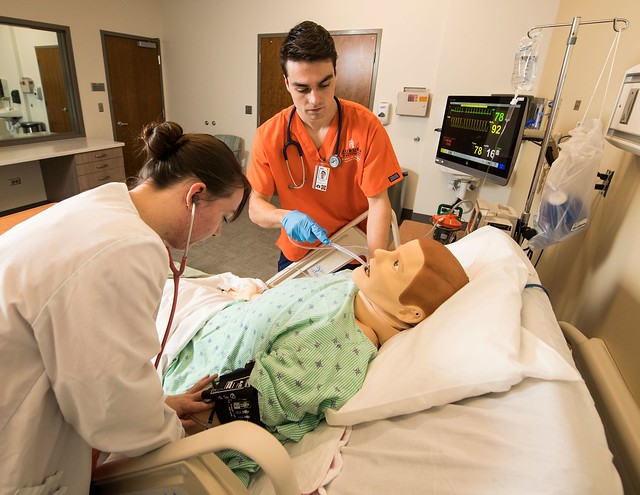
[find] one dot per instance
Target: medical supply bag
(569, 189)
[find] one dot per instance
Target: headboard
(619, 411)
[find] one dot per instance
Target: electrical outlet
(100, 107)
(16, 181)
(248, 110)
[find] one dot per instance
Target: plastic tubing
(334, 246)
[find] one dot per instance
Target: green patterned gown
(310, 355)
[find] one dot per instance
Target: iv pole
(571, 41)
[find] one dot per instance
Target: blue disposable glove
(302, 228)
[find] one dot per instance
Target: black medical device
(481, 136)
(334, 160)
(234, 398)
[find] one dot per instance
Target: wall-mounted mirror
(39, 99)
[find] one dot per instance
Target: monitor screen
(481, 137)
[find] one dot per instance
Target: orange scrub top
(369, 166)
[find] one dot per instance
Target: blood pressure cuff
(234, 398)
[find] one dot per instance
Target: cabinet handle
(122, 124)
(104, 177)
(102, 165)
(100, 155)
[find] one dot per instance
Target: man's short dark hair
(307, 42)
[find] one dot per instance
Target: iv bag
(524, 64)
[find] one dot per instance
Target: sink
(10, 113)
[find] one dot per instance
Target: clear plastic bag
(524, 64)
(569, 190)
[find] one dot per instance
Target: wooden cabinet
(68, 166)
(99, 167)
(66, 176)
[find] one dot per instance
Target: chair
(235, 144)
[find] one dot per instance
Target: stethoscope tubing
(334, 160)
(177, 273)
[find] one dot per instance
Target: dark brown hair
(173, 157)
(307, 42)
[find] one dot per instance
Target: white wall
(460, 46)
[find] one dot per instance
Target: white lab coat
(80, 286)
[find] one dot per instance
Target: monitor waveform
(470, 124)
(468, 118)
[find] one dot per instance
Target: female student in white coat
(80, 285)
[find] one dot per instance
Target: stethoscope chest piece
(334, 161)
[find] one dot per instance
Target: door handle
(122, 124)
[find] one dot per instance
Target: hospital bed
(483, 397)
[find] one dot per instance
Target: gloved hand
(302, 228)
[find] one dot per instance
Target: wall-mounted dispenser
(384, 109)
(413, 101)
(624, 128)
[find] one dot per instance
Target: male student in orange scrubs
(328, 159)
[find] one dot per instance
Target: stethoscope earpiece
(334, 160)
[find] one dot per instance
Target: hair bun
(162, 140)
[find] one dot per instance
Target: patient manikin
(312, 339)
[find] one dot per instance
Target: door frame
(106, 69)
(374, 72)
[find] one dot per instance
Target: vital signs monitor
(481, 135)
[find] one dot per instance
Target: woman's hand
(190, 403)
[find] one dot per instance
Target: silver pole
(571, 41)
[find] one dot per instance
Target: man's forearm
(378, 223)
(265, 214)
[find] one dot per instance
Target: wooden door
(356, 70)
(134, 78)
(54, 88)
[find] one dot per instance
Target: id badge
(321, 178)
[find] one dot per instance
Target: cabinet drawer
(99, 166)
(89, 181)
(97, 155)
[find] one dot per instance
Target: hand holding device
(302, 228)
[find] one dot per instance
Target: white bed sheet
(541, 437)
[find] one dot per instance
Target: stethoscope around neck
(177, 272)
(334, 160)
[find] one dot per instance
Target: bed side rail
(242, 436)
(619, 412)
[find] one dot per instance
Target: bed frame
(618, 410)
(190, 466)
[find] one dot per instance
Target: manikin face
(312, 86)
(389, 274)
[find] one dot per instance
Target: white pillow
(472, 345)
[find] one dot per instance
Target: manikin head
(411, 282)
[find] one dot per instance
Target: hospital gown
(309, 354)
